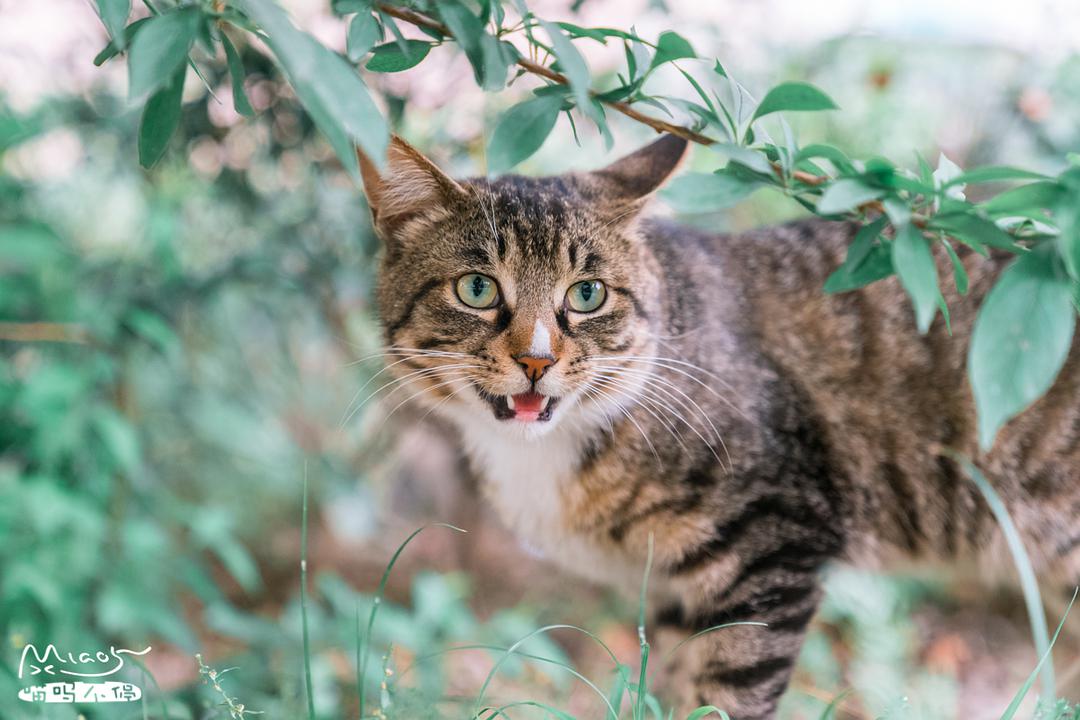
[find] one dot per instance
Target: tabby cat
(616, 378)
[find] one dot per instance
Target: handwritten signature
(52, 662)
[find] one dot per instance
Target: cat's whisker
(593, 393)
(654, 362)
(648, 404)
(446, 399)
(399, 382)
(629, 388)
(670, 360)
(489, 217)
(418, 393)
(393, 364)
(588, 389)
(644, 435)
(617, 218)
(662, 384)
(653, 389)
(407, 376)
(408, 352)
(651, 377)
(657, 400)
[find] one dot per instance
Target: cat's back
(890, 398)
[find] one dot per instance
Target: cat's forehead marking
(538, 215)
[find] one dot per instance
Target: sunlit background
(180, 348)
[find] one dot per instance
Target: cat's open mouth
(527, 406)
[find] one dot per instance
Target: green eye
(586, 296)
(477, 291)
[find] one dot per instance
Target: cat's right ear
(408, 185)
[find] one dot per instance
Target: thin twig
(44, 332)
(421, 20)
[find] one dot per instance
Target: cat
(619, 380)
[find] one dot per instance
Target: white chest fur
(525, 478)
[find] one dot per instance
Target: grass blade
(639, 703)
(303, 601)
(708, 630)
(477, 706)
(1028, 582)
(1015, 704)
(377, 601)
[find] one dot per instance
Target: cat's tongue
(528, 405)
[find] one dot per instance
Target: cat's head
(507, 302)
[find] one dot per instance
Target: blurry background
(179, 348)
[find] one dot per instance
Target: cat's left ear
(633, 178)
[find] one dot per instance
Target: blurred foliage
(176, 344)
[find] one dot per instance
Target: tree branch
(420, 20)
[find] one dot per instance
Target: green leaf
(364, 32)
(1068, 219)
(114, 15)
(671, 46)
(845, 195)
(328, 87)
(877, 264)
(521, 131)
(573, 66)
(389, 57)
(236, 76)
(960, 275)
(795, 96)
(599, 34)
(113, 49)
(753, 159)
(1021, 339)
(468, 31)
(898, 211)
(160, 118)
(998, 173)
(119, 438)
(344, 7)
(966, 226)
(160, 46)
(154, 329)
(833, 154)
(693, 193)
(15, 129)
(499, 55)
(864, 241)
(1033, 196)
(914, 264)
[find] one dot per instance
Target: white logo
(51, 663)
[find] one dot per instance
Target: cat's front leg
(741, 669)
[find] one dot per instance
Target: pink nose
(534, 367)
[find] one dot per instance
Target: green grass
(624, 694)
(635, 692)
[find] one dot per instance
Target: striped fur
(718, 402)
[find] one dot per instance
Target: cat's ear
(638, 175)
(408, 184)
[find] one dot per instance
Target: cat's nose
(534, 367)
